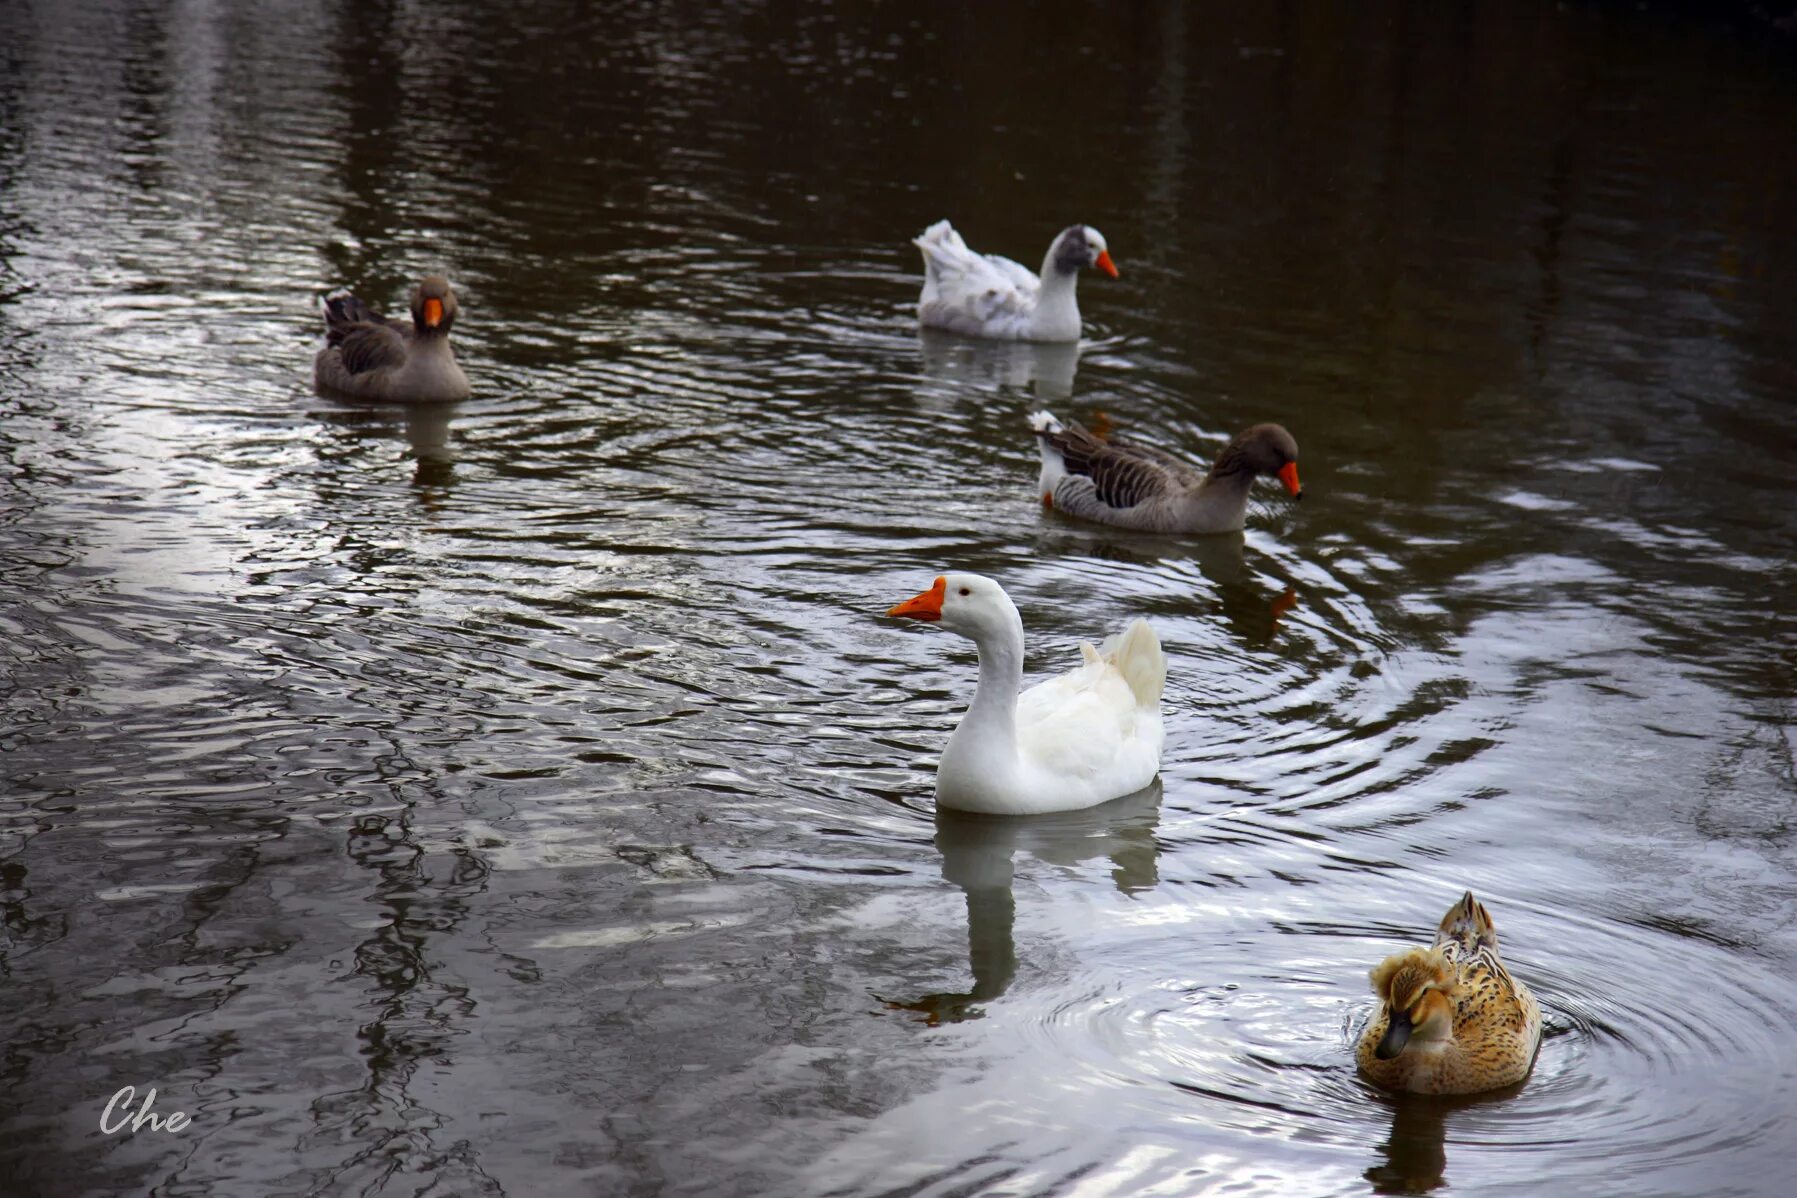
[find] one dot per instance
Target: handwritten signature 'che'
(122, 1099)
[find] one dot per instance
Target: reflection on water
(978, 856)
(426, 429)
(1044, 370)
(525, 795)
(1415, 1154)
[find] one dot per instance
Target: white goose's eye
(965, 591)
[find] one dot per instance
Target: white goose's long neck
(988, 731)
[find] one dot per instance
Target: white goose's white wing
(1089, 725)
(980, 295)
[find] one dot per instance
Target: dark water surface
(530, 798)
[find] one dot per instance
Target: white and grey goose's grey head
(1077, 247)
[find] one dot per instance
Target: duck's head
(1263, 449)
(1417, 988)
(1080, 246)
(970, 604)
(433, 307)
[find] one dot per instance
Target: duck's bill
(1105, 264)
(1288, 474)
(433, 313)
(1397, 1035)
(927, 606)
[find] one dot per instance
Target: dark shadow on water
(1415, 1155)
(978, 855)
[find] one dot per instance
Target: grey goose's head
(433, 307)
(1262, 449)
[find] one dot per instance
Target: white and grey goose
(1138, 486)
(984, 295)
(367, 356)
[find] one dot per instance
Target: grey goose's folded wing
(344, 313)
(365, 347)
(1123, 475)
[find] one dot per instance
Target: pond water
(530, 797)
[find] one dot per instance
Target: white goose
(1072, 741)
(983, 295)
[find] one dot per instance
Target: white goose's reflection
(978, 855)
(1046, 367)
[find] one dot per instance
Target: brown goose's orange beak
(927, 606)
(1288, 474)
(1105, 264)
(433, 313)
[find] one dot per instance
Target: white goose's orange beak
(1288, 474)
(433, 312)
(1105, 264)
(927, 606)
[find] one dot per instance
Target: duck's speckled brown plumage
(1139, 486)
(367, 356)
(1475, 1027)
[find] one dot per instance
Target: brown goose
(367, 356)
(1451, 1019)
(1137, 486)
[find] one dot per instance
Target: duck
(1139, 486)
(367, 356)
(1451, 1019)
(984, 295)
(1072, 741)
